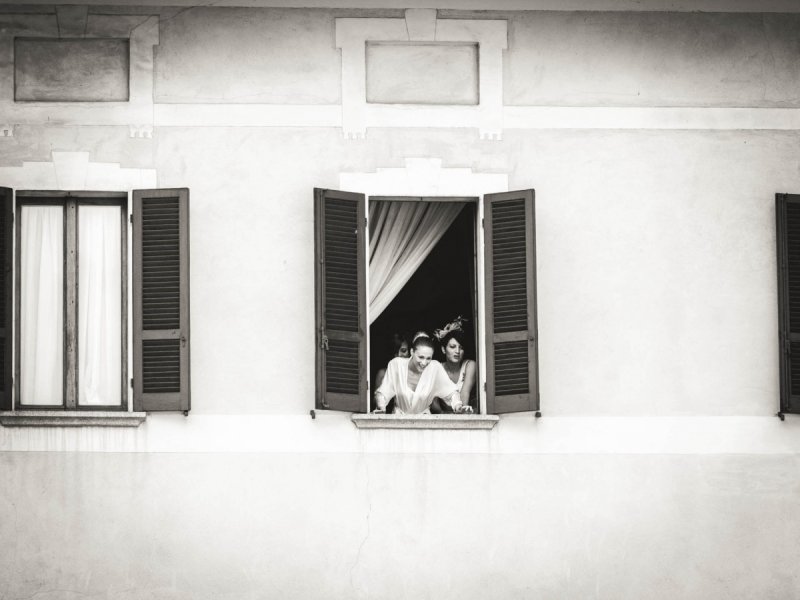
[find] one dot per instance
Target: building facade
(648, 144)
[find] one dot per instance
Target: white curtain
(42, 305)
(99, 306)
(401, 235)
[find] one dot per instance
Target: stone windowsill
(381, 421)
(71, 418)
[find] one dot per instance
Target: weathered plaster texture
(74, 70)
(203, 527)
(656, 259)
(243, 55)
(652, 59)
(408, 73)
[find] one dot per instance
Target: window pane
(42, 305)
(99, 306)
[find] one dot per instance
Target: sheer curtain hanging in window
(401, 235)
(99, 306)
(42, 305)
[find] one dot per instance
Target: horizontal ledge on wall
(787, 6)
(64, 418)
(382, 421)
(403, 116)
(579, 117)
(460, 117)
(247, 115)
(77, 113)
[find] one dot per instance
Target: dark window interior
(441, 289)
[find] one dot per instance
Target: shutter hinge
(483, 222)
(323, 339)
(131, 381)
(130, 218)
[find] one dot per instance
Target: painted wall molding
(74, 171)
(143, 33)
(333, 433)
(352, 35)
(423, 177)
(461, 117)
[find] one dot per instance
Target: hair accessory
(454, 325)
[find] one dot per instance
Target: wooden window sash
(71, 202)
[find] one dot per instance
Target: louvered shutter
(341, 295)
(787, 211)
(6, 279)
(161, 300)
(512, 382)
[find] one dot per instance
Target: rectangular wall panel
(71, 70)
(420, 73)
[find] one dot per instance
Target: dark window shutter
(787, 211)
(161, 300)
(341, 296)
(6, 279)
(512, 382)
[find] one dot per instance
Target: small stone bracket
(72, 20)
(6, 131)
(421, 24)
(141, 131)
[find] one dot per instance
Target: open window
(70, 288)
(479, 263)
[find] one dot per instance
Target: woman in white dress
(459, 369)
(415, 381)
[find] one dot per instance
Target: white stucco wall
(657, 469)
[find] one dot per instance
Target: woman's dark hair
(398, 339)
(456, 335)
(423, 340)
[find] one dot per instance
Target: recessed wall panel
(410, 73)
(71, 70)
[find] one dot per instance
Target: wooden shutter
(161, 300)
(6, 279)
(787, 212)
(341, 300)
(512, 381)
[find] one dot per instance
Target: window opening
(71, 301)
(441, 289)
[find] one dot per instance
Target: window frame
(71, 202)
(478, 302)
(511, 279)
